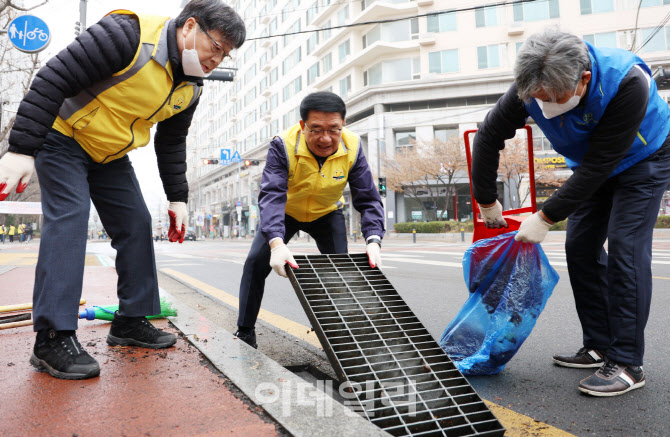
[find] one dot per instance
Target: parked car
(190, 235)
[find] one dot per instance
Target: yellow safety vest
(313, 192)
(11, 230)
(2, 230)
(115, 115)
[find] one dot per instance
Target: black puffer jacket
(103, 49)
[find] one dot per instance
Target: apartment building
(408, 71)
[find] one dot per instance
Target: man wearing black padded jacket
(87, 108)
(600, 109)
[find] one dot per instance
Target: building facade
(408, 71)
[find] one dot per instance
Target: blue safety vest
(569, 133)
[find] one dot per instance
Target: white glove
(178, 221)
(492, 216)
(279, 256)
(374, 252)
(15, 168)
(533, 229)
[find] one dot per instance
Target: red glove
(177, 212)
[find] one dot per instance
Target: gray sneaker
(613, 379)
(583, 359)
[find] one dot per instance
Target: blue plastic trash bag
(510, 284)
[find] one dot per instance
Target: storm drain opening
(399, 376)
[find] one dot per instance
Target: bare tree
(514, 170)
(426, 172)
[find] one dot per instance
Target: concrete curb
(299, 406)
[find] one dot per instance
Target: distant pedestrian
(12, 231)
(21, 231)
(3, 233)
(29, 232)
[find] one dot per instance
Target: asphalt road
(429, 277)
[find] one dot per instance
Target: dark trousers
(69, 180)
(329, 233)
(612, 289)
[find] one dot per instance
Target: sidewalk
(140, 391)
(207, 384)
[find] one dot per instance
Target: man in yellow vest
(307, 169)
(21, 229)
(12, 231)
(3, 232)
(86, 109)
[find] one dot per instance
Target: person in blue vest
(89, 106)
(601, 110)
(307, 169)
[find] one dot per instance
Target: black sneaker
(60, 354)
(613, 379)
(138, 331)
(249, 337)
(583, 359)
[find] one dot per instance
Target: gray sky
(60, 16)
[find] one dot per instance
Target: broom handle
(15, 324)
(24, 306)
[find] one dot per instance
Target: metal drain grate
(402, 380)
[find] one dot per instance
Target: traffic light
(77, 28)
(249, 163)
(382, 187)
(209, 161)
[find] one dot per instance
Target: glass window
(372, 36)
(442, 22)
(312, 42)
(297, 84)
(445, 61)
(343, 15)
(274, 75)
(405, 140)
(607, 39)
(488, 56)
(444, 133)
(596, 6)
(311, 12)
(274, 101)
(344, 49)
(286, 92)
(312, 73)
(535, 11)
(649, 3)
(326, 31)
(655, 40)
(486, 17)
(327, 63)
(345, 86)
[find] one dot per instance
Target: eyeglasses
(220, 52)
(332, 132)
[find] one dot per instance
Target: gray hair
(551, 61)
(215, 15)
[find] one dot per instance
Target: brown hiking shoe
(583, 359)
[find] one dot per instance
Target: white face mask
(551, 110)
(190, 61)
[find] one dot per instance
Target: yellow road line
(295, 329)
(30, 259)
(516, 424)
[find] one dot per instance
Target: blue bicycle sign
(28, 33)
